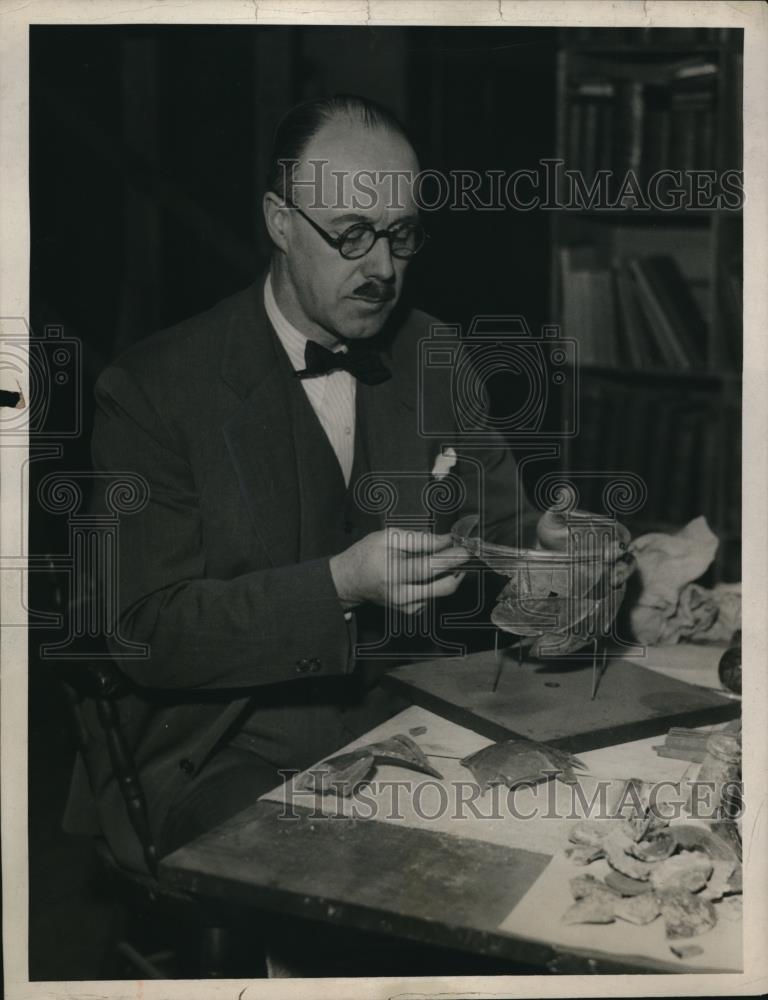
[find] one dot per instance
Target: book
(590, 125)
(575, 114)
(587, 443)
(643, 118)
(603, 316)
(671, 309)
(589, 306)
(645, 337)
(732, 335)
(655, 138)
(588, 154)
(633, 327)
(731, 473)
(711, 469)
(669, 473)
(616, 456)
(694, 69)
(681, 501)
(575, 318)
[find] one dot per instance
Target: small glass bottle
(721, 768)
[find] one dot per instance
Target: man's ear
(277, 218)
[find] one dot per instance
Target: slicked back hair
(299, 126)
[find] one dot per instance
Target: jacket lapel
(398, 454)
(260, 435)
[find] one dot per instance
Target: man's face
(334, 295)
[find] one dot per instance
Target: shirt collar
(293, 340)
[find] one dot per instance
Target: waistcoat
(295, 723)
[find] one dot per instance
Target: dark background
(149, 148)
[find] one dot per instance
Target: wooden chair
(201, 927)
(104, 684)
(205, 931)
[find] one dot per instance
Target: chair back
(104, 683)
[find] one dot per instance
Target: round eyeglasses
(405, 238)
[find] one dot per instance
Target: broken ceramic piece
(658, 847)
(584, 854)
(685, 914)
(730, 908)
(719, 883)
(711, 841)
(641, 909)
(400, 750)
(616, 846)
(627, 886)
(688, 870)
(586, 885)
(735, 881)
(520, 762)
(591, 832)
(597, 908)
(340, 775)
(686, 950)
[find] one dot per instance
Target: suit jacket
(211, 574)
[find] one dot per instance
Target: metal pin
(597, 675)
(594, 669)
(499, 663)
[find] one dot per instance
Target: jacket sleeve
(495, 491)
(258, 628)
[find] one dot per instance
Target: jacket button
(315, 665)
(303, 665)
(187, 766)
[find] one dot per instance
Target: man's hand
(398, 568)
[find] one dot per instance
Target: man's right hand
(398, 568)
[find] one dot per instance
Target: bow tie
(364, 364)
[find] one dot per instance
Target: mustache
(375, 290)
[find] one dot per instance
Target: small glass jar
(721, 768)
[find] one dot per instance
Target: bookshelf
(649, 285)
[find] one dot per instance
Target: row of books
(641, 123)
(651, 37)
(733, 309)
(731, 473)
(672, 441)
(634, 312)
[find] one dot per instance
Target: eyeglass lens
(404, 240)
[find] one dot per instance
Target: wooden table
(411, 857)
(642, 692)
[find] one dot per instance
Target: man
(249, 572)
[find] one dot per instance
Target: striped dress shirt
(332, 396)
